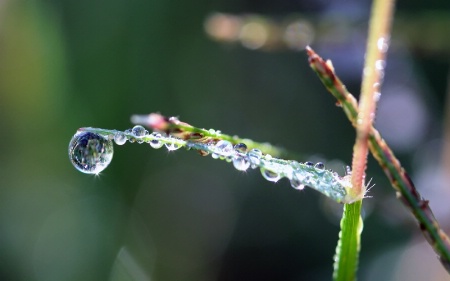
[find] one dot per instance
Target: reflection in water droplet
(296, 183)
(90, 153)
(138, 131)
(240, 147)
(120, 138)
(224, 148)
(319, 166)
(309, 164)
(270, 175)
(155, 142)
(241, 163)
(172, 146)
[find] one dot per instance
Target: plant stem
(347, 250)
(173, 126)
(377, 45)
(400, 181)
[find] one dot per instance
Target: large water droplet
(270, 175)
(90, 153)
(120, 138)
(241, 163)
(223, 148)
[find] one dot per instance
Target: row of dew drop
(91, 151)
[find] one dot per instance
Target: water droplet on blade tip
(90, 153)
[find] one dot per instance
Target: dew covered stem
(241, 155)
(173, 126)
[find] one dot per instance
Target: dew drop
(383, 44)
(348, 170)
(241, 163)
(296, 183)
(254, 156)
(138, 131)
(380, 64)
(90, 153)
(223, 148)
(270, 175)
(120, 138)
(240, 147)
(319, 166)
(172, 146)
(155, 142)
(309, 164)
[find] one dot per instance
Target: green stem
(347, 250)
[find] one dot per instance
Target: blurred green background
(154, 215)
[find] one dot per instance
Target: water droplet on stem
(155, 142)
(270, 175)
(223, 148)
(138, 131)
(90, 153)
(254, 156)
(319, 166)
(240, 147)
(120, 138)
(241, 163)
